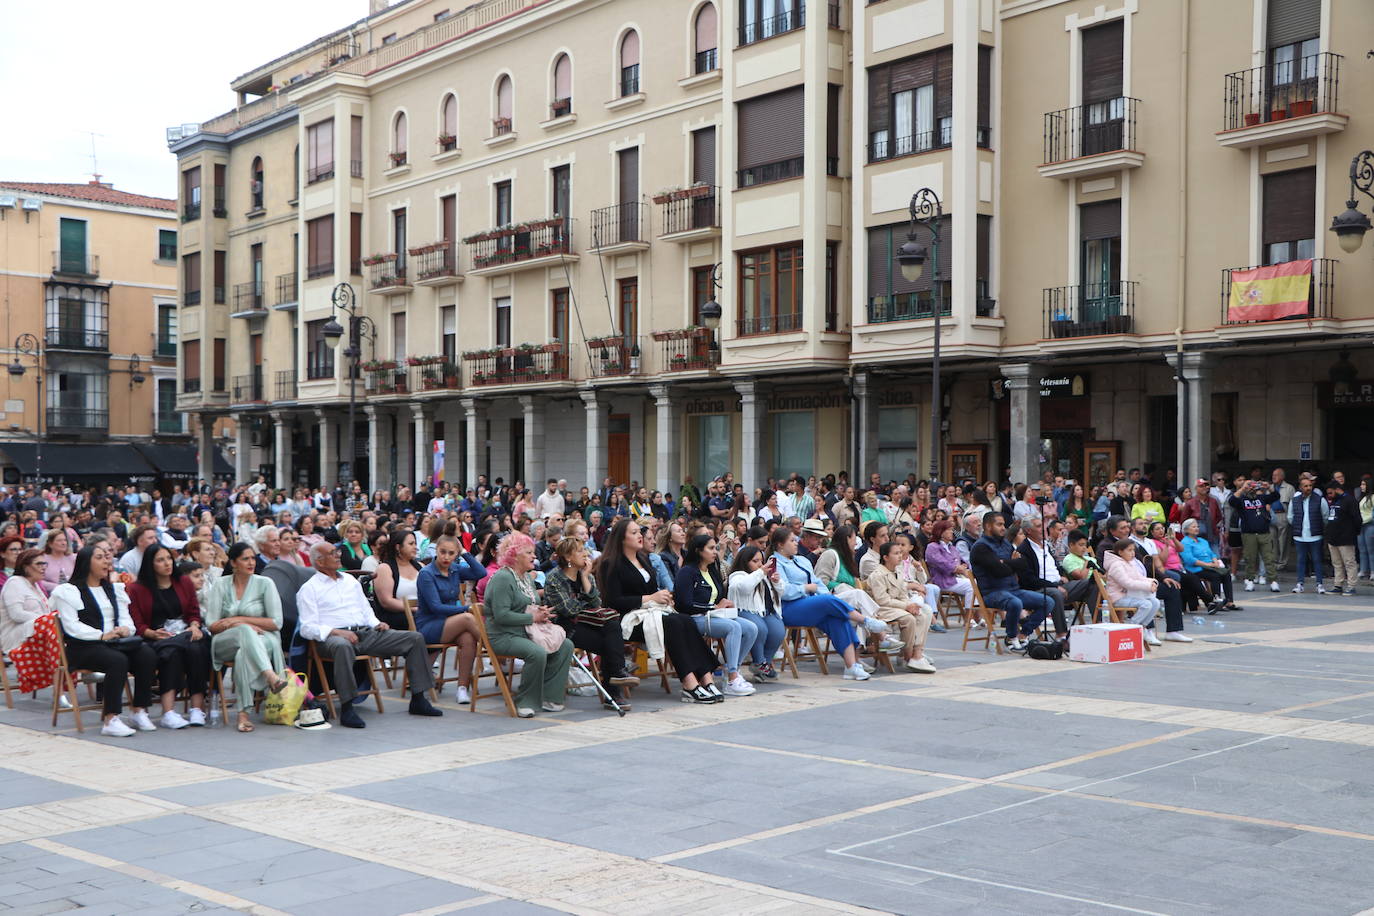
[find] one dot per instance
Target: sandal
(245, 725)
(279, 686)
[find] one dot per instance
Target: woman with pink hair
(511, 604)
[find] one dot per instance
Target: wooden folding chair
(322, 674)
(793, 651)
(989, 617)
(666, 672)
(5, 684)
(441, 647)
(64, 683)
(950, 605)
(1116, 615)
(486, 653)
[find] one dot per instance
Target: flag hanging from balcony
(1269, 293)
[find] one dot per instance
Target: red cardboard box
(1104, 643)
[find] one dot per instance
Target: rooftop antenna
(95, 166)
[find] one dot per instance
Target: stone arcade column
(1023, 385)
(669, 443)
(1194, 380)
(866, 419)
(205, 447)
(533, 471)
(282, 448)
(753, 410)
(329, 447)
(423, 415)
(243, 445)
(378, 448)
(475, 415)
(598, 427)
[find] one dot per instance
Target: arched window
(448, 124)
(399, 137)
(562, 87)
(256, 183)
(704, 40)
(505, 104)
(629, 63)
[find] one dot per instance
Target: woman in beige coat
(897, 608)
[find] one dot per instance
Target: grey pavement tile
(509, 908)
(415, 893)
(214, 792)
(17, 789)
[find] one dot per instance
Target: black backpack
(1045, 651)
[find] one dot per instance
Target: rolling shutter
(704, 156)
(879, 98)
(1293, 20)
(1103, 62)
(1100, 221)
(1290, 206)
(771, 128)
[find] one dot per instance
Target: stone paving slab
(19, 788)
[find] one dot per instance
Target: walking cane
(609, 699)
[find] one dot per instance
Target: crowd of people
(168, 588)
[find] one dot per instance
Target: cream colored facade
(89, 274)
(840, 376)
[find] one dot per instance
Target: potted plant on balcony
(1061, 325)
(1301, 107)
(1252, 118)
(678, 362)
(397, 159)
(500, 126)
(447, 143)
(450, 372)
(373, 260)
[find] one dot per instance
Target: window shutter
(451, 113)
(1100, 221)
(628, 162)
(190, 359)
(629, 49)
(562, 78)
(503, 98)
(770, 128)
(879, 98)
(984, 88)
(355, 242)
(704, 155)
(1293, 20)
(883, 242)
(944, 82)
(983, 258)
(832, 122)
(706, 29)
(1290, 206)
(1103, 62)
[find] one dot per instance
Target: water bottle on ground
(1200, 621)
(215, 720)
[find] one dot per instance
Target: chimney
(376, 6)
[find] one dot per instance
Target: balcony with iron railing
(220, 210)
(248, 388)
(1091, 139)
(249, 301)
(78, 421)
(288, 291)
(1089, 309)
(912, 306)
(525, 364)
(190, 297)
(769, 172)
(832, 15)
(190, 212)
(757, 325)
(435, 264)
(286, 384)
(629, 80)
(171, 423)
(689, 213)
(685, 349)
(706, 61)
(319, 269)
(1283, 100)
(322, 171)
(165, 349)
(387, 274)
(521, 247)
(1245, 303)
(77, 337)
(620, 227)
(560, 108)
(769, 26)
(614, 356)
(76, 264)
(385, 377)
(434, 373)
(190, 385)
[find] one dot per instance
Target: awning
(180, 462)
(108, 461)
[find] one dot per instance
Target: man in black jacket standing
(1342, 532)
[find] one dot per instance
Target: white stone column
(866, 424)
(1023, 386)
(753, 412)
(404, 470)
(475, 415)
(668, 430)
(243, 444)
(533, 471)
(282, 448)
(424, 442)
(598, 427)
(205, 447)
(378, 448)
(1194, 380)
(328, 423)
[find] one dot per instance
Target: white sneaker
(197, 718)
(1263, 581)
(464, 695)
(890, 644)
(738, 687)
(922, 665)
(519, 665)
(1297, 589)
(1150, 638)
(142, 722)
(170, 719)
(115, 728)
(552, 707)
(876, 627)
(855, 672)
(525, 712)
(867, 666)
(63, 702)
(1249, 585)
(1321, 589)
(1177, 636)
(1274, 586)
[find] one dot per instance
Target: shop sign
(778, 400)
(1345, 394)
(1059, 386)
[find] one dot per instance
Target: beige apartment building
(89, 290)
(530, 203)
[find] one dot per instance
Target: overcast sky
(129, 69)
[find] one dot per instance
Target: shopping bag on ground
(281, 708)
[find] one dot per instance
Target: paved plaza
(1231, 775)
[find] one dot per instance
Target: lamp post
(31, 346)
(926, 211)
(710, 316)
(345, 301)
(1351, 225)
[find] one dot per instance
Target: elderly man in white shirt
(335, 614)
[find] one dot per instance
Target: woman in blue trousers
(807, 603)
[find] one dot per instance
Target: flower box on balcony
(671, 194)
(680, 333)
(379, 365)
(602, 343)
(1301, 108)
(424, 360)
(447, 142)
(397, 159)
(500, 126)
(1252, 118)
(374, 259)
(427, 249)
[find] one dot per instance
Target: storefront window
(794, 443)
(713, 446)
(898, 442)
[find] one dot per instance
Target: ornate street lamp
(926, 211)
(1351, 225)
(345, 301)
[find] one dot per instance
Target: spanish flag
(1270, 293)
